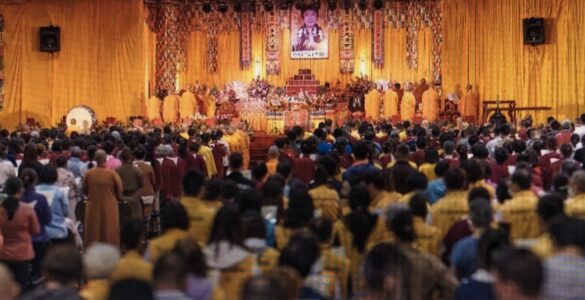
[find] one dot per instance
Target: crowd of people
(360, 211)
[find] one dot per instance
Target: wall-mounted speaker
(534, 31)
(50, 38)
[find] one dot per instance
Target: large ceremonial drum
(80, 118)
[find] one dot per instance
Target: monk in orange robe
(245, 142)
(407, 107)
(372, 105)
(390, 102)
(468, 105)
(430, 104)
(153, 106)
(170, 108)
(420, 89)
(187, 105)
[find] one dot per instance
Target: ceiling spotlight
(363, 5)
(378, 4)
(268, 6)
(222, 7)
(332, 5)
(206, 7)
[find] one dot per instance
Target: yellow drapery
(101, 62)
(107, 56)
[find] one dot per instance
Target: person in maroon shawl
(304, 166)
(169, 171)
(194, 160)
(219, 152)
(418, 157)
(499, 170)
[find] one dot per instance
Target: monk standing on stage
(420, 89)
(469, 104)
(103, 188)
(187, 105)
(431, 104)
(372, 105)
(407, 107)
(390, 103)
(153, 106)
(245, 142)
(170, 108)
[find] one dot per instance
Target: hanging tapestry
(245, 41)
(378, 39)
(272, 44)
(2, 63)
(346, 56)
(168, 48)
(437, 19)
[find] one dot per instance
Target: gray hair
(100, 260)
(566, 124)
(75, 151)
(578, 180)
(273, 151)
(480, 213)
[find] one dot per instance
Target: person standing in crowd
(520, 211)
(58, 201)
(6, 166)
(147, 194)
(200, 215)
(518, 274)
(30, 159)
(169, 277)
(42, 209)
(575, 206)
(74, 164)
(325, 199)
(66, 181)
(297, 216)
(99, 260)
(131, 177)
(428, 238)
(18, 223)
(103, 188)
(453, 206)
(175, 227)
(132, 265)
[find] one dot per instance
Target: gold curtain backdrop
(101, 63)
(107, 56)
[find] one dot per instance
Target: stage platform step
(259, 146)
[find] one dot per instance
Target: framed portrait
(309, 33)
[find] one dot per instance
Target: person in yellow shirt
(245, 142)
(207, 154)
(332, 262)
(454, 205)
(416, 182)
(431, 161)
(170, 108)
(200, 215)
(153, 108)
(551, 209)
(325, 199)
(476, 176)
(390, 102)
(431, 104)
(232, 140)
(520, 211)
(132, 265)
(428, 238)
(175, 226)
(372, 105)
(408, 104)
(272, 162)
(297, 216)
(265, 257)
(99, 260)
(381, 197)
(359, 231)
(575, 206)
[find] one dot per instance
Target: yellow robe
(520, 212)
(407, 106)
(372, 105)
(383, 201)
(449, 209)
(326, 201)
(575, 207)
(390, 103)
(96, 289)
(468, 106)
(201, 218)
(428, 170)
(153, 108)
(339, 265)
(209, 160)
(132, 266)
(170, 108)
(245, 142)
(428, 238)
(210, 105)
(430, 105)
(543, 247)
(165, 243)
(187, 105)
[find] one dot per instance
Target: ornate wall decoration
(346, 38)
(169, 47)
(378, 39)
(245, 41)
(272, 44)
(2, 62)
(437, 21)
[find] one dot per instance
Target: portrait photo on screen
(309, 34)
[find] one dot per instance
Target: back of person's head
(455, 179)
(400, 222)
(491, 240)
(501, 155)
(421, 142)
(100, 260)
(321, 176)
(478, 192)
(300, 209)
(253, 225)
(480, 213)
(63, 264)
(402, 152)
(12, 188)
(568, 232)
(566, 150)
(28, 177)
(236, 161)
(284, 169)
(550, 208)
(359, 199)
(229, 190)
(213, 189)
(441, 168)
(449, 147)
(473, 170)
(480, 151)
(416, 181)
(551, 143)
(431, 156)
(376, 179)
(131, 289)
(361, 151)
(522, 179)
(249, 200)
(170, 269)
(518, 271)
(322, 228)
(301, 252)
(226, 227)
(193, 256)
(174, 216)
(259, 171)
(193, 183)
(386, 271)
(48, 175)
(282, 283)
(132, 234)
(418, 205)
(578, 183)
(61, 161)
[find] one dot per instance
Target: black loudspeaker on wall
(534, 31)
(50, 39)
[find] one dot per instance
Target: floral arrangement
(259, 88)
(360, 86)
